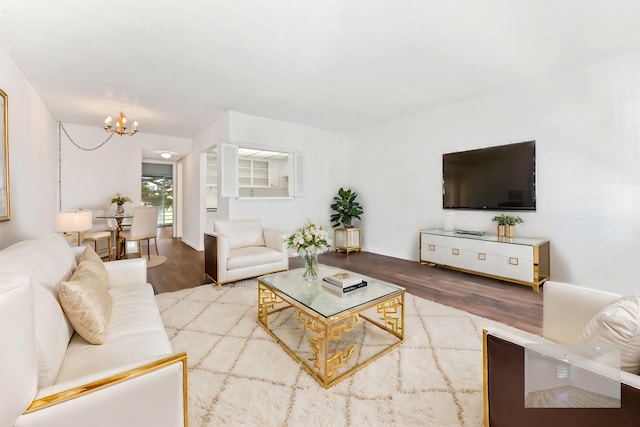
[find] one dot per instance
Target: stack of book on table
(343, 283)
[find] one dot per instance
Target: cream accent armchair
(567, 310)
(242, 249)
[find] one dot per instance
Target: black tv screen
(494, 178)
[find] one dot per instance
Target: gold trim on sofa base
(485, 378)
(66, 395)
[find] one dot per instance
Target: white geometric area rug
(239, 376)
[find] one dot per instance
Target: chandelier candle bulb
(121, 126)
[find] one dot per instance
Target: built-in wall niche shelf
(262, 173)
(518, 259)
(254, 172)
(212, 170)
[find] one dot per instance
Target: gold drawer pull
(482, 257)
(513, 261)
(455, 252)
(432, 247)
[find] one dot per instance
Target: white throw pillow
(241, 233)
(618, 324)
(53, 332)
(46, 261)
(87, 303)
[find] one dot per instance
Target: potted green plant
(345, 208)
(507, 224)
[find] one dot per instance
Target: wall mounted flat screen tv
(493, 178)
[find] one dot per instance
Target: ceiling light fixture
(121, 126)
(165, 155)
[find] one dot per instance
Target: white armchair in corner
(242, 249)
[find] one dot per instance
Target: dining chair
(144, 226)
(112, 228)
(98, 233)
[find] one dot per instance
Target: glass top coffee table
(338, 342)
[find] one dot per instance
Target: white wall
(325, 170)
(33, 153)
(194, 182)
(91, 178)
(586, 124)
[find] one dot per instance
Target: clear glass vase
(120, 209)
(310, 258)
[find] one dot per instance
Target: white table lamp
(74, 222)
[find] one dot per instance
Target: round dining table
(119, 218)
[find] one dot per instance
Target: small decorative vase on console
(120, 209)
(310, 257)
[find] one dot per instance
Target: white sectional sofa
(51, 376)
(567, 311)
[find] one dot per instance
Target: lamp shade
(80, 220)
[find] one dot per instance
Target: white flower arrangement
(307, 237)
(308, 241)
(120, 199)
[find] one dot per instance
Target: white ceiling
(176, 66)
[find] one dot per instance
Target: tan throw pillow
(87, 303)
(89, 254)
(97, 268)
(618, 324)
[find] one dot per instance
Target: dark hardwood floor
(512, 304)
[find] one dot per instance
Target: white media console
(516, 259)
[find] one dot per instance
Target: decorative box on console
(517, 259)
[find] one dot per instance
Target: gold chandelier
(121, 126)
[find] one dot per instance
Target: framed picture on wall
(4, 159)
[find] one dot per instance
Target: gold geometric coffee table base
(325, 366)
